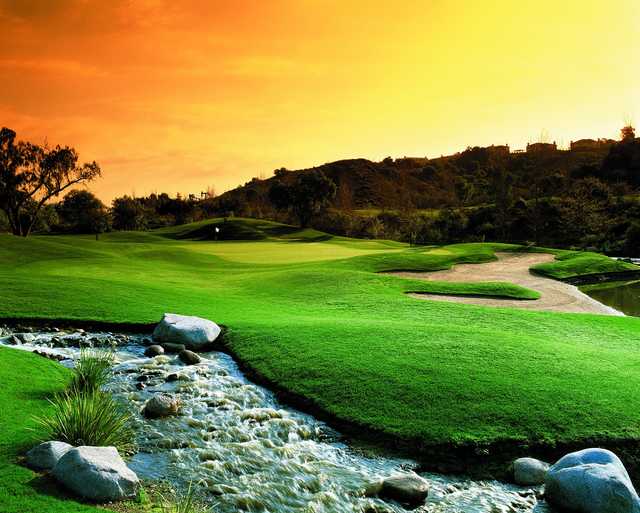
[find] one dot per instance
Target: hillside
(465, 178)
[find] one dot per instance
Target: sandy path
(556, 296)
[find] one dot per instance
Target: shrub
(94, 419)
(92, 371)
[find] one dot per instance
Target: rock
(26, 338)
(14, 340)
(189, 357)
(194, 332)
(591, 481)
(173, 348)
(46, 455)
(96, 473)
(408, 489)
(161, 405)
(172, 377)
(529, 471)
(154, 350)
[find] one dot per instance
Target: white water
(247, 452)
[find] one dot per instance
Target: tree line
(586, 198)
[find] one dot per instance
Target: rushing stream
(247, 452)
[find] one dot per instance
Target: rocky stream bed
(243, 449)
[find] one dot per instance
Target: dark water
(623, 296)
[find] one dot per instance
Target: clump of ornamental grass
(88, 418)
(185, 502)
(92, 371)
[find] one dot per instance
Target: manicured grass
(313, 314)
(27, 380)
(569, 264)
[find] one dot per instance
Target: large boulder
(529, 471)
(46, 455)
(195, 333)
(96, 473)
(161, 405)
(591, 481)
(409, 489)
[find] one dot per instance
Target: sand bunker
(556, 296)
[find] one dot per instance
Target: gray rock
(13, 340)
(408, 489)
(161, 405)
(173, 348)
(529, 471)
(26, 338)
(46, 455)
(154, 350)
(591, 481)
(96, 473)
(194, 332)
(189, 357)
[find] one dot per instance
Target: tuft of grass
(92, 371)
(94, 419)
(183, 502)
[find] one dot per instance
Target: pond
(623, 296)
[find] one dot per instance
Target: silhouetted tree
(30, 175)
(82, 212)
(307, 196)
(128, 214)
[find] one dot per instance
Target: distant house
(500, 149)
(591, 144)
(540, 147)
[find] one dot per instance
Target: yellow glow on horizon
(170, 97)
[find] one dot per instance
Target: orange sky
(179, 95)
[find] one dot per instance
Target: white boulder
(529, 471)
(46, 455)
(194, 332)
(96, 473)
(591, 481)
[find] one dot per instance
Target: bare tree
(30, 175)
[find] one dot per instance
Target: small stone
(408, 489)
(170, 347)
(189, 357)
(154, 350)
(161, 405)
(529, 471)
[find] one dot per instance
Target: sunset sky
(177, 96)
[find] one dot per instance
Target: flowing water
(623, 296)
(245, 451)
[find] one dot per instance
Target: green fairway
(311, 313)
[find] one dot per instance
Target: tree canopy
(30, 175)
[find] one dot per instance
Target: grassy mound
(27, 380)
(316, 317)
(570, 264)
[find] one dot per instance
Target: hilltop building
(541, 147)
(591, 144)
